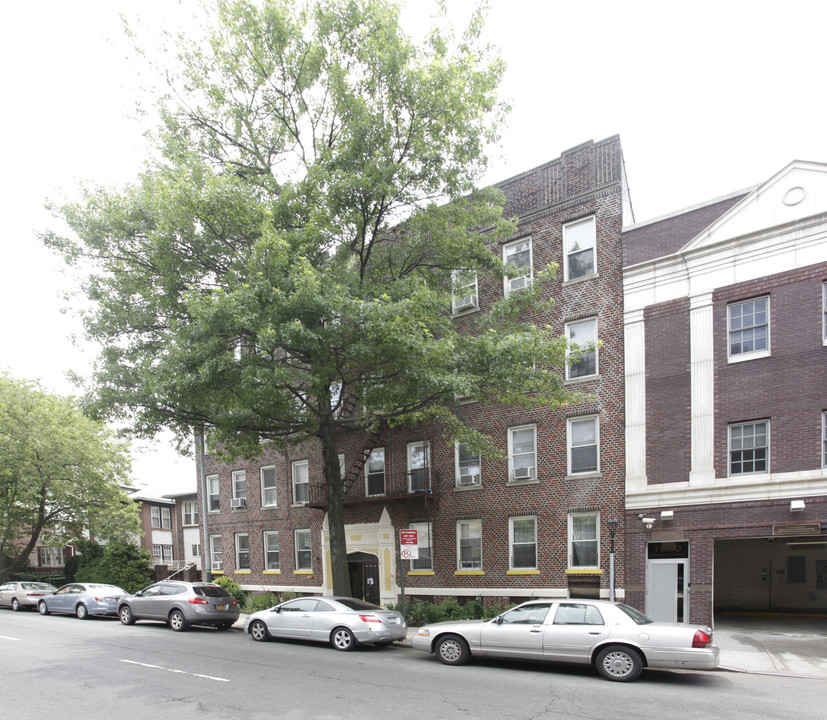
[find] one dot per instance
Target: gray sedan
(617, 640)
(82, 599)
(22, 594)
(344, 622)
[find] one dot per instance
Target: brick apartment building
(726, 403)
(535, 524)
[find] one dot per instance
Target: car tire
(258, 631)
(126, 616)
(82, 612)
(15, 604)
(342, 639)
(177, 621)
(224, 625)
(453, 650)
(42, 608)
(619, 663)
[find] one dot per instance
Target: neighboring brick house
(726, 403)
(159, 530)
(187, 538)
(532, 525)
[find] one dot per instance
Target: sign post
(408, 550)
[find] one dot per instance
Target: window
(423, 542)
(51, 557)
(216, 553)
(824, 440)
(518, 255)
(583, 443)
(578, 614)
(748, 446)
(212, 493)
(162, 554)
(271, 551)
(749, 328)
(304, 557)
(239, 489)
(342, 465)
(418, 467)
(465, 292)
(522, 536)
(469, 545)
(583, 540)
(189, 511)
(824, 313)
(533, 614)
(375, 472)
(579, 243)
(522, 453)
(195, 550)
(581, 334)
(301, 482)
(268, 487)
(242, 551)
(468, 469)
(160, 517)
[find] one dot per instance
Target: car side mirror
(277, 609)
(499, 620)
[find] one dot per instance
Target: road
(61, 667)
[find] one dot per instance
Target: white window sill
(582, 278)
(743, 357)
(585, 378)
(518, 483)
(463, 313)
(584, 475)
(466, 488)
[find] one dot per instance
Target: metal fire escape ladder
(356, 468)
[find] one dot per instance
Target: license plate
(220, 607)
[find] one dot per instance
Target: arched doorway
(363, 569)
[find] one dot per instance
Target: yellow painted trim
(302, 572)
(584, 571)
(420, 572)
(272, 572)
(217, 572)
(522, 572)
(469, 572)
(241, 572)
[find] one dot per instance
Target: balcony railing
(415, 486)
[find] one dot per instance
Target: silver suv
(180, 604)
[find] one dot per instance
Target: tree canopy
(292, 246)
(60, 475)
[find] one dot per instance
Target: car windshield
(211, 591)
(355, 604)
(98, 586)
(636, 615)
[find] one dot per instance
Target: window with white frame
(375, 472)
(242, 551)
(162, 554)
(824, 440)
(418, 467)
(522, 536)
(824, 313)
(51, 557)
(213, 493)
(469, 545)
(160, 517)
(271, 551)
(239, 489)
(468, 466)
(584, 540)
(423, 543)
(216, 553)
(301, 481)
(518, 255)
(522, 453)
(749, 445)
(189, 512)
(748, 326)
(195, 549)
(465, 291)
(268, 487)
(581, 335)
(342, 467)
(304, 555)
(583, 445)
(580, 243)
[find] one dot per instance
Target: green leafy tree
(117, 563)
(291, 249)
(60, 475)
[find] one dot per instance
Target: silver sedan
(343, 622)
(22, 594)
(82, 600)
(617, 640)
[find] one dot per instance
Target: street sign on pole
(408, 545)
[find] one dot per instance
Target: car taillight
(235, 602)
(370, 619)
(34, 594)
(198, 601)
(701, 639)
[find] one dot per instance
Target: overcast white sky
(707, 97)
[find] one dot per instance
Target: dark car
(180, 604)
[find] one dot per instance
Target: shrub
(260, 600)
(232, 587)
(418, 612)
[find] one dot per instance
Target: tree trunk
(335, 510)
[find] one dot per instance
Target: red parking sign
(408, 545)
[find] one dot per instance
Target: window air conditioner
(238, 502)
(467, 302)
(518, 283)
(469, 479)
(218, 565)
(521, 473)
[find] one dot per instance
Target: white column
(702, 363)
(635, 361)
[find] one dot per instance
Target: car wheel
(619, 663)
(342, 639)
(42, 608)
(82, 611)
(126, 616)
(258, 631)
(176, 621)
(453, 650)
(15, 604)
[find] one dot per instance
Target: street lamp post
(612, 530)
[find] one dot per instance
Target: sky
(707, 97)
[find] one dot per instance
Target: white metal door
(667, 599)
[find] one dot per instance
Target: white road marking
(6, 637)
(173, 670)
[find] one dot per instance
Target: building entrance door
(364, 576)
(667, 581)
